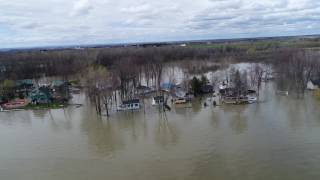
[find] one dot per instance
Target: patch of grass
(75, 82)
(45, 106)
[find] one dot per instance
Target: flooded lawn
(277, 138)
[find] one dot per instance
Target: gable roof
(24, 82)
(316, 82)
(58, 83)
(143, 88)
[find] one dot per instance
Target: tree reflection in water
(102, 134)
(166, 133)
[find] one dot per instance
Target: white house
(313, 84)
(133, 104)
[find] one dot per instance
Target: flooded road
(278, 138)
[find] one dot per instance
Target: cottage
(180, 93)
(158, 100)
(24, 85)
(167, 87)
(144, 90)
(133, 104)
(313, 84)
(61, 91)
(227, 92)
(207, 89)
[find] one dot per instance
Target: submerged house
(133, 104)
(313, 84)
(167, 87)
(227, 92)
(41, 95)
(181, 95)
(24, 86)
(59, 85)
(158, 100)
(25, 83)
(207, 89)
(60, 90)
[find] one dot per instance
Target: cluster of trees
(7, 90)
(197, 84)
(101, 87)
(34, 64)
(295, 68)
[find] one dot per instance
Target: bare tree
(99, 86)
(297, 67)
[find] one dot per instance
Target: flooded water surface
(277, 138)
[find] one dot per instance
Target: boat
(158, 100)
(133, 104)
(16, 104)
(180, 101)
(3, 110)
(252, 99)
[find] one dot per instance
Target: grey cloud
(29, 25)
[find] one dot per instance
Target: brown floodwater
(276, 139)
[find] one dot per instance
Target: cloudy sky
(26, 23)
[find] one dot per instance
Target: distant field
(260, 45)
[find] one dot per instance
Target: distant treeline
(23, 65)
(34, 64)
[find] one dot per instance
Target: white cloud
(55, 22)
(81, 7)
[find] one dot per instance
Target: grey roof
(143, 88)
(132, 101)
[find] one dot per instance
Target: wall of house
(311, 86)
